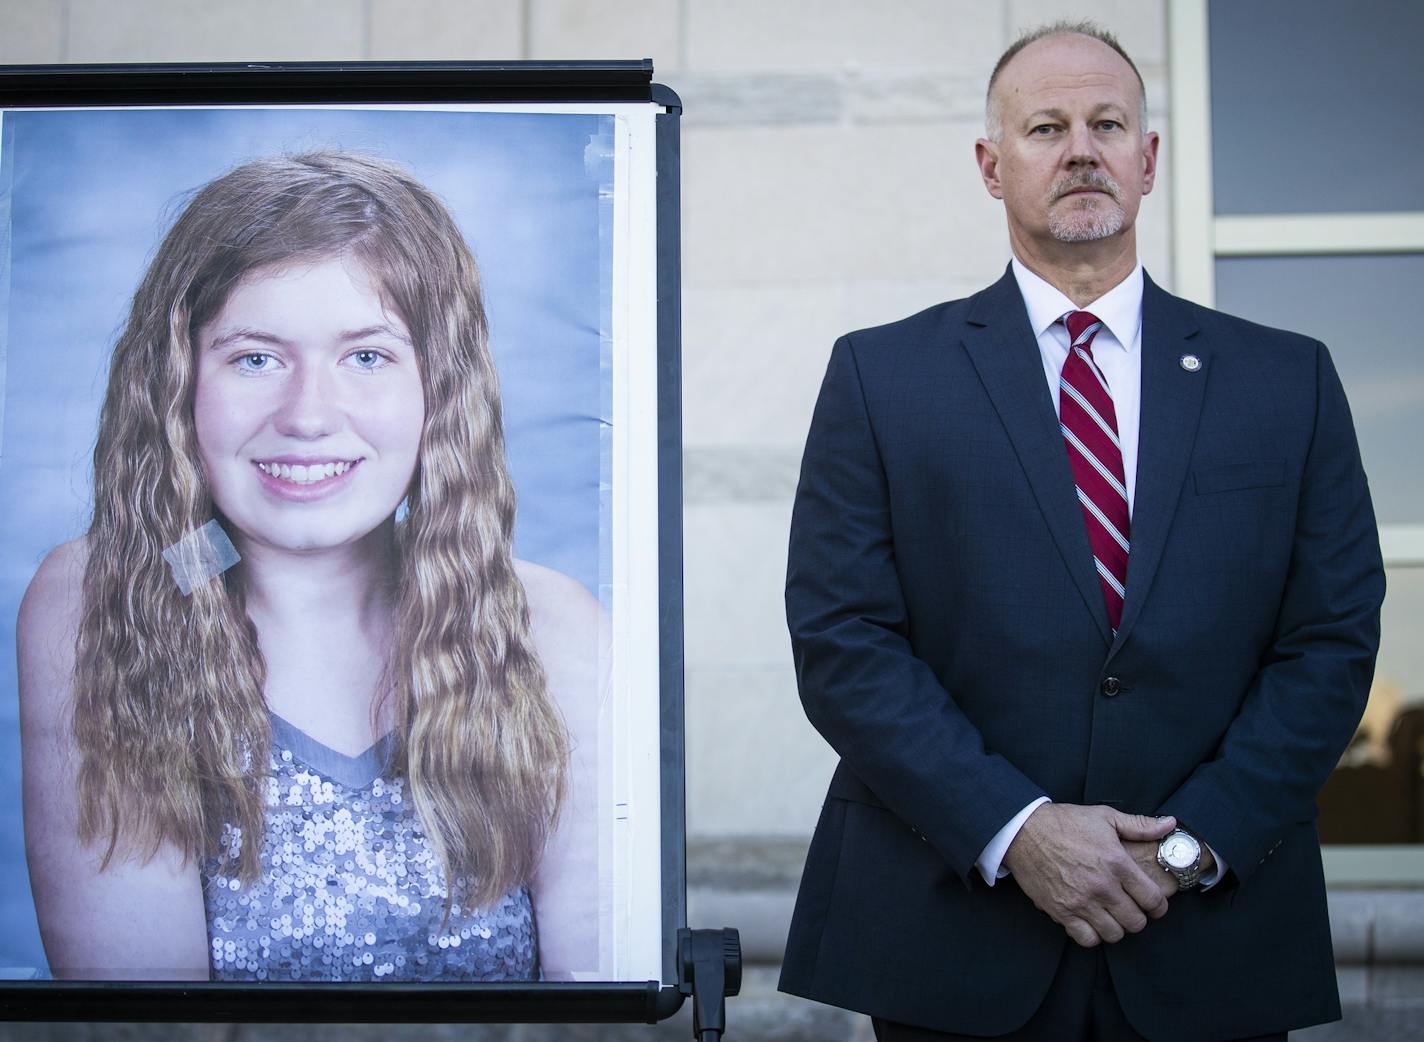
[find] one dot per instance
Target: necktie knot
(1082, 327)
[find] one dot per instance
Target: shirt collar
(1120, 308)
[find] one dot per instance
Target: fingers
(1106, 927)
(1104, 911)
(1082, 934)
(1099, 923)
(1142, 879)
(1148, 894)
(1152, 883)
(1141, 827)
(1118, 909)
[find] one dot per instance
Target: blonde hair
(169, 714)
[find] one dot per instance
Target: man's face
(1072, 163)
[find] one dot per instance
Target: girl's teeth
(304, 474)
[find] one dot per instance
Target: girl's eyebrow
(261, 336)
(232, 336)
(369, 331)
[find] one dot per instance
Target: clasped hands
(1093, 870)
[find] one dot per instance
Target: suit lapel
(1004, 352)
(1171, 407)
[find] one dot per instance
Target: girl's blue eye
(255, 362)
(368, 359)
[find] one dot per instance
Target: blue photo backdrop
(85, 197)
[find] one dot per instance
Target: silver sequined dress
(350, 889)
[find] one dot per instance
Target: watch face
(1180, 851)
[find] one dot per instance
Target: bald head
(994, 105)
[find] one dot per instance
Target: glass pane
(1315, 105)
(1376, 795)
(1375, 342)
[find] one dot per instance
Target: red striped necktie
(1085, 412)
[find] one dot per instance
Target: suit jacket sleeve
(1306, 700)
(878, 705)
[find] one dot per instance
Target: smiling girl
(365, 751)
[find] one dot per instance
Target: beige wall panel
(1140, 25)
(31, 31)
(737, 100)
(446, 30)
(750, 35)
(734, 565)
(755, 766)
(752, 360)
(753, 357)
(629, 29)
(198, 31)
(875, 304)
(825, 204)
(1154, 222)
(917, 96)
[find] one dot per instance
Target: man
(1084, 588)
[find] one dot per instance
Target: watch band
(1188, 877)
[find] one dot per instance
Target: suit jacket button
(1111, 686)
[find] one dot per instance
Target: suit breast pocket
(1231, 541)
(1233, 477)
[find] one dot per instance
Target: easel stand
(709, 968)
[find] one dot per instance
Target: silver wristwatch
(1180, 854)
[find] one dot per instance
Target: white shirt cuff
(991, 861)
(1218, 870)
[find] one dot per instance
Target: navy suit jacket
(952, 645)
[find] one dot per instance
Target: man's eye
(1043, 129)
(1109, 124)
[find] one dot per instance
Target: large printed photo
(311, 549)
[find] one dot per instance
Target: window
(1298, 203)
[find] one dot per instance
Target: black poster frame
(381, 83)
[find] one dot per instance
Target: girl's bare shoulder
(570, 631)
(555, 599)
(48, 623)
(58, 580)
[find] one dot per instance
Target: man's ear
(986, 154)
(1149, 156)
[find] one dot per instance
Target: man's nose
(308, 407)
(1082, 146)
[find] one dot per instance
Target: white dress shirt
(1117, 350)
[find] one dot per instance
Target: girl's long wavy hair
(169, 714)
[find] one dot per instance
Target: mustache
(1095, 179)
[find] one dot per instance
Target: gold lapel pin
(1191, 363)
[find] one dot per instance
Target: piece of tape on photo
(199, 556)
